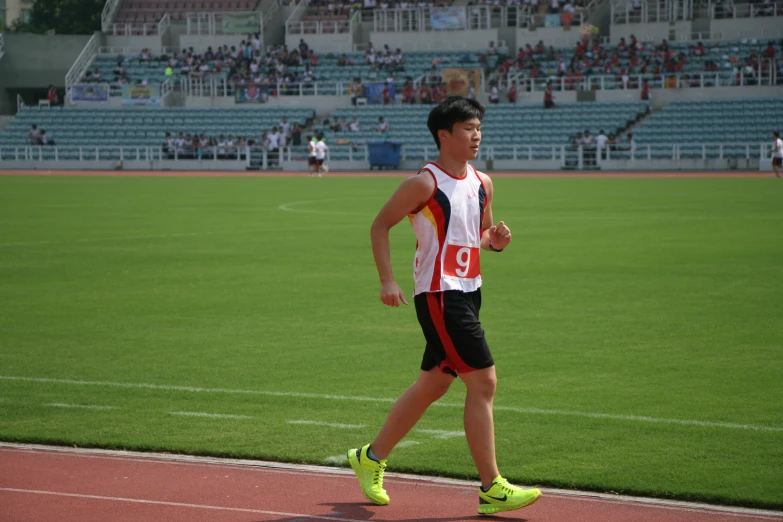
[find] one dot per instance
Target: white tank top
(448, 233)
(311, 149)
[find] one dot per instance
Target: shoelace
(505, 486)
(378, 475)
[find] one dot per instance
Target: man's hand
(499, 236)
(392, 294)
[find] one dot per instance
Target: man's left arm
(493, 237)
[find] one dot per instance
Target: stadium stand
(503, 126)
(110, 129)
(151, 11)
(706, 127)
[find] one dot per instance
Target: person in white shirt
(285, 131)
(320, 156)
(273, 138)
(311, 152)
(494, 94)
(354, 125)
(777, 155)
(221, 146)
(631, 145)
(600, 143)
(230, 146)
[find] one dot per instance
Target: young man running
(777, 154)
(449, 205)
(311, 164)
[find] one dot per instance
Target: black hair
(454, 109)
(776, 134)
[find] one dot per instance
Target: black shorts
(311, 160)
(319, 162)
(778, 162)
(455, 339)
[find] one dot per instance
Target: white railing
(565, 155)
(296, 15)
(222, 87)
(225, 23)
(421, 18)
(652, 11)
(694, 80)
(82, 62)
(311, 27)
(745, 10)
(158, 28)
(109, 9)
(104, 153)
(269, 15)
(2, 45)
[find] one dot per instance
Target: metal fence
(741, 77)
(140, 29)
(649, 11)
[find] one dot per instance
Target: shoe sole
(356, 467)
(491, 509)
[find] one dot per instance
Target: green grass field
(622, 307)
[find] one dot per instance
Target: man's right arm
(410, 196)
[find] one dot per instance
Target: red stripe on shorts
(453, 360)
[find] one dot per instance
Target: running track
(377, 173)
(68, 484)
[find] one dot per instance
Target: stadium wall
(424, 40)
(554, 36)
(153, 43)
(655, 31)
(324, 43)
(739, 28)
(34, 61)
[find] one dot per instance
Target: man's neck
(453, 167)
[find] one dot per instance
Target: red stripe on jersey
(437, 213)
(453, 360)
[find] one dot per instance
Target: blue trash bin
(385, 154)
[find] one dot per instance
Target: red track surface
(63, 484)
(245, 174)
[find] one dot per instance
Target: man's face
(463, 140)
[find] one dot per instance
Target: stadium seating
(140, 127)
(151, 11)
(502, 128)
(735, 124)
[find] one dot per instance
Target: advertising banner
(141, 95)
(448, 18)
(90, 92)
(458, 80)
(240, 23)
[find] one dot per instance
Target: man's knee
(434, 389)
(482, 382)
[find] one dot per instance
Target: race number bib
(461, 261)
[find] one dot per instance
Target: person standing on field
(777, 154)
(449, 204)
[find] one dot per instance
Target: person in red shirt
(425, 96)
(386, 95)
(512, 92)
(408, 93)
(549, 100)
(769, 52)
(439, 93)
(645, 90)
(52, 96)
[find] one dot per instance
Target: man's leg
(479, 422)
(408, 409)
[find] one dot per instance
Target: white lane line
(442, 434)
(328, 424)
(349, 398)
(80, 406)
(347, 474)
(177, 504)
(288, 207)
(406, 443)
(209, 415)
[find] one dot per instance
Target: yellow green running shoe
(502, 496)
(370, 475)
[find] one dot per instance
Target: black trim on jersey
(443, 200)
(482, 196)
